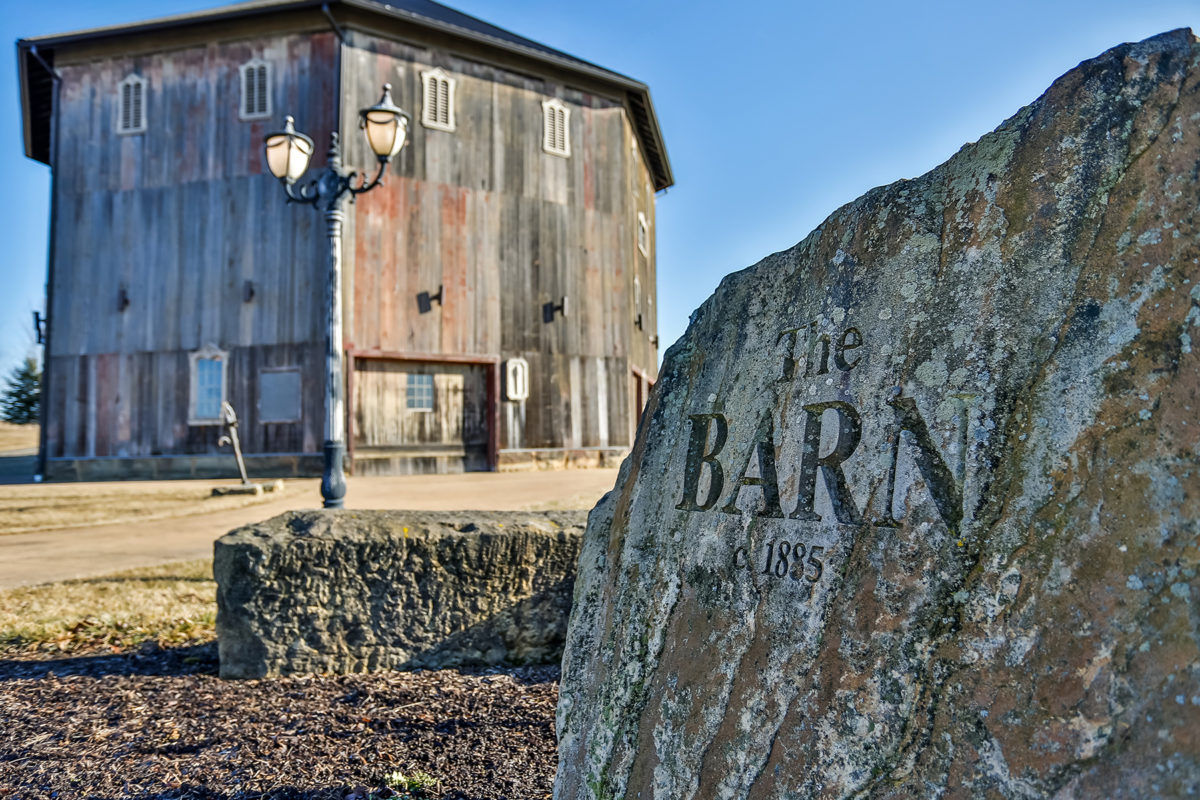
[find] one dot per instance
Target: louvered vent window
(131, 105)
(556, 128)
(643, 234)
(437, 104)
(256, 90)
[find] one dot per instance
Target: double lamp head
(385, 125)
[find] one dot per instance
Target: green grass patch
(170, 604)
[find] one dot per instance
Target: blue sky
(774, 113)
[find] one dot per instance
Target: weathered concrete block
(353, 591)
(914, 508)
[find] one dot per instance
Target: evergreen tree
(21, 401)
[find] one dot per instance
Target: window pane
(126, 104)
(249, 103)
(419, 392)
(208, 388)
(279, 396)
(431, 100)
(260, 95)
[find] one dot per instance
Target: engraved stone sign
(914, 510)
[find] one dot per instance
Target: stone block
(914, 508)
(338, 591)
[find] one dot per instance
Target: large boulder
(914, 510)
(352, 591)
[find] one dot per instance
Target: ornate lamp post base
(333, 481)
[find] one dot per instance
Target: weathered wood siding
(134, 405)
(504, 228)
(452, 435)
(180, 218)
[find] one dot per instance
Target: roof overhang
(34, 55)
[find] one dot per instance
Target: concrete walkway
(45, 556)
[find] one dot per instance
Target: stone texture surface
(353, 591)
(913, 511)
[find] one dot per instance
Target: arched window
(131, 105)
(256, 90)
(556, 128)
(437, 103)
(207, 393)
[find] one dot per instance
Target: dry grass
(19, 438)
(168, 604)
(25, 508)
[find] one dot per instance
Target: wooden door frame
(642, 391)
(492, 383)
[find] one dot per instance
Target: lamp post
(288, 153)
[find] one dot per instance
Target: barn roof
(36, 59)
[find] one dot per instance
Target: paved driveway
(31, 558)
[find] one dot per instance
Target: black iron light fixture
(425, 300)
(288, 152)
(550, 309)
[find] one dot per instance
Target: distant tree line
(22, 399)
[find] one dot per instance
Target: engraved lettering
(789, 359)
(798, 551)
(816, 562)
(822, 342)
(946, 491)
(886, 520)
(781, 562)
(818, 348)
(785, 559)
(963, 400)
(851, 340)
(697, 458)
(768, 478)
(830, 466)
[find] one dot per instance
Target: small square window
(420, 392)
(279, 395)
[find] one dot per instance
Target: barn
(498, 288)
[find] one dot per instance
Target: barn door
(415, 417)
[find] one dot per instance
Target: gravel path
(159, 724)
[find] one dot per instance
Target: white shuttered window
(556, 128)
(256, 90)
(437, 103)
(131, 105)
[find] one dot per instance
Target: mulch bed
(160, 725)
